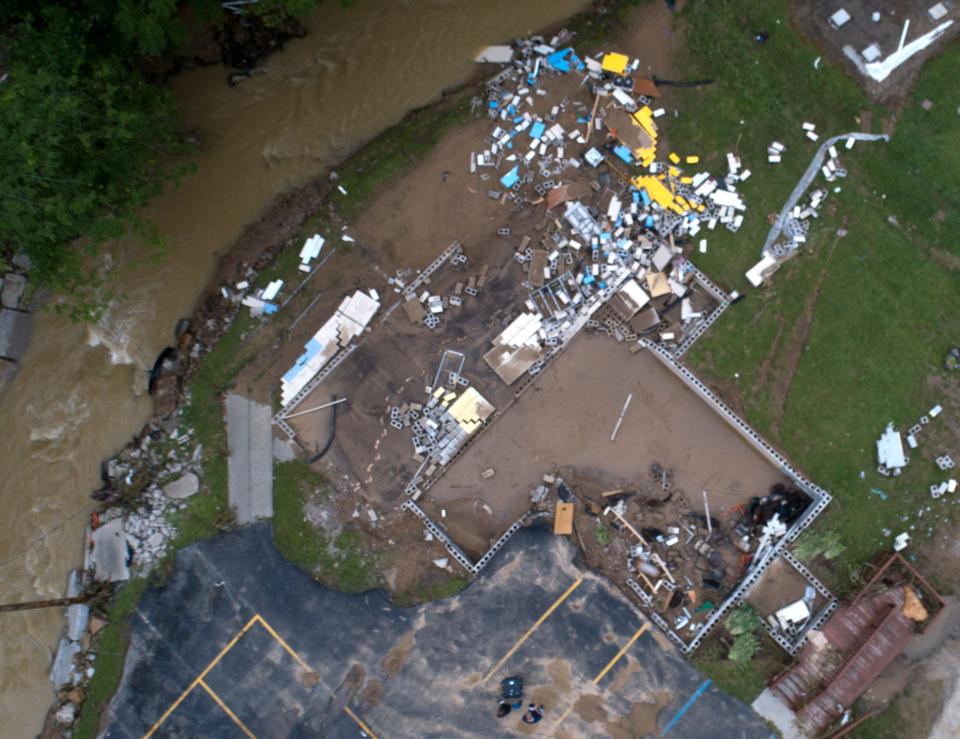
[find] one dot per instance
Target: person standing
(534, 714)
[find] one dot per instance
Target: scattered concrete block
(183, 487)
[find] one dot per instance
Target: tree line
(88, 140)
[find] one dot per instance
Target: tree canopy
(87, 139)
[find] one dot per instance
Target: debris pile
(617, 215)
(794, 223)
(347, 323)
(424, 306)
(143, 485)
(679, 562)
(452, 413)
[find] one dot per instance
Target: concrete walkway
(250, 464)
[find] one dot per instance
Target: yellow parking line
(536, 625)
(346, 709)
(170, 710)
(200, 677)
(227, 710)
(562, 718)
(257, 618)
(617, 657)
(358, 722)
(620, 654)
(282, 643)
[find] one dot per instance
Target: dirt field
(811, 17)
(566, 418)
(780, 586)
(395, 364)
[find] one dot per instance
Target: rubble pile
(791, 228)
(143, 485)
(617, 214)
(429, 308)
(679, 562)
(440, 426)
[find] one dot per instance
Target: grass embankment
(341, 562)
(852, 333)
(205, 515)
(112, 644)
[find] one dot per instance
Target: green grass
(346, 563)
(911, 715)
(761, 93)
(207, 511)
(395, 150)
(111, 650)
(447, 587)
(888, 304)
(743, 683)
(602, 534)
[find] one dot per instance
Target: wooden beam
(626, 523)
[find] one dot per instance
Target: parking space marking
(620, 654)
(199, 681)
(609, 666)
(227, 710)
(686, 707)
(283, 644)
(536, 625)
(213, 663)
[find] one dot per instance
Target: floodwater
(80, 393)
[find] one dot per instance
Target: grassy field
(851, 334)
(760, 94)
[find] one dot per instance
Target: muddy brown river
(81, 391)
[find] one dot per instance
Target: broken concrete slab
(14, 286)
(14, 333)
(109, 553)
(183, 487)
(283, 450)
(61, 672)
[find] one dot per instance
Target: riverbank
(81, 393)
(220, 334)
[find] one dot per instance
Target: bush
(821, 542)
(744, 647)
(743, 620)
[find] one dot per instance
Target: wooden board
(563, 519)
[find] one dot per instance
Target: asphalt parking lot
(240, 643)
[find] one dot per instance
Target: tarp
(643, 86)
(564, 60)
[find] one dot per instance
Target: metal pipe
(317, 408)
